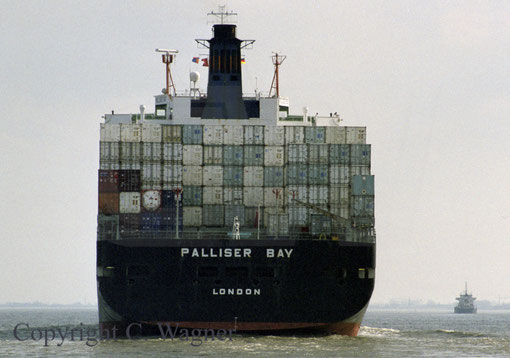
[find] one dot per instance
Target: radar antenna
(168, 57)
(222, 15)
(275, 84)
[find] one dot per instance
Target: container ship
(224, 211)
(466, 303)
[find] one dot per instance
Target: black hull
(464, 310)
(271, 286)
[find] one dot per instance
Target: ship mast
(275, 84)
(168, 58)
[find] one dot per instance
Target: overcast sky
(429, 79)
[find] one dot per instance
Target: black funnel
(224, 89)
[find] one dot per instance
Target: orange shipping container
(108, 203)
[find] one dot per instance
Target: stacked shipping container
(252, 172)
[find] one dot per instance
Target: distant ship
(222, 211)
(466, 303)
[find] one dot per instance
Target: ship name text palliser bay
(232, 252)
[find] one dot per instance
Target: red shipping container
(108, 203)
(108, 181)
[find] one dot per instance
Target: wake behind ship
(223, 211)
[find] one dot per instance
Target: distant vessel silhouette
(466, 302)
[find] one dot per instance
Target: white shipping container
(151, 151)
(109, 151)
(274, 156)
(130, 165)
(172, 152)
(130, 152)
(360, 170)
(109, 165)
(298, 192)
(253, 135)
(213, 175)
(297, 153)
(233, 196)
(171, 134)
(130, 133)
(213, 135)
(318, 153)
(213, 154)
(339, 195)
(233, 135)
(355, 135)
(318, 194)
(172, 173)
(298, 216)
(253, 176)
(129, 203)
(335, 135)
(253, 196)
(339, 174)
(151, 175)
(274, 135)
(294, 135)
(109, 132)
(212, 195)
(192, 216)
(192, 175)
(151, 132)
(192, 154)
(274, 196)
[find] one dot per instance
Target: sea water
(383, 334)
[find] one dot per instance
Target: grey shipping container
(130, 151)
(297, 153)
(192, 195)
(339, 154)
(360, 154)
(233, 155)
(109, 151)
(172, 152)
(192, 134)
(232, 176)
(253, 155)
(253, 135)
(321, 225)
(296, 174)
(108, 227)
(363, 185)
(318, 153)
(273, 176)
(231, 211)
(317, 174)
(315, 135)
(298, 215)
(362, 205)
(213, 215)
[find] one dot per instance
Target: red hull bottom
(342, 328)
